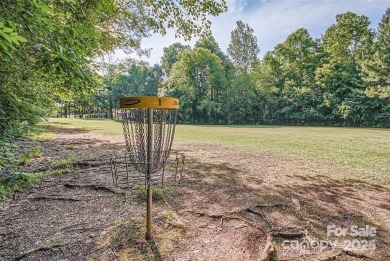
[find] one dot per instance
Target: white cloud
(274, 20)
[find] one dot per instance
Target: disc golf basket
(149, 126)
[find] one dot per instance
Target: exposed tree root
(71, 227)
(38, 249)
(268, 247)
(248, 222)
(54, 198)
(244, 209)
(95, 187)
(289, 234)
(348, 253)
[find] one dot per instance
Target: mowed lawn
(360, 154)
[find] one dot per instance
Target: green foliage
(7, 158)
(70, 147)
(24, 159)
(8, 39)
(241, 101)
(349, 37)
(47, 48)
(341, 79)
(157, 194)
(378, 68)
(209, 43)
(171, 55)
(65, 164)
(42, 136)
(33, 153)
(198, 79)
(187, 17)
(17, 181)
(243, 47)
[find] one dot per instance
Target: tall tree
(153, 81)
(350, 37)
(243, 47)
(209, 42)
(384, 45)
(299, 57)
(171, 55)
(378, 75)
(379, 66)
(241, 101)
(198, 80)
(269, 81)
(337, 80)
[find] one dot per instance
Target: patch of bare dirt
(231, 205)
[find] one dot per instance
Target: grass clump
(66, 163)
(157, 194)
(6, 156)
(40, 133)
(33, 153)
(42, 136)
(70, 147)
(17, 181)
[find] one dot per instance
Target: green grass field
(362, 152)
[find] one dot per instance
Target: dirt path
(225, 208)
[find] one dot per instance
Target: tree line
(340, 79)
(49, 51)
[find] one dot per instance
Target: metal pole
(177, 167)
(183, 158)
(148, 170)
(162, 175)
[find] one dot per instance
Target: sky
(272, 21)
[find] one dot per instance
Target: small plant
(34, 153)
(70, 147)
(24, 159)
(62, 164)
(74, 160)
(17, 181)
(158, 193)
(66, 163)
(6, 156)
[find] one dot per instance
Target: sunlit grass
(357, 153)
(100, 125)
(42, 136)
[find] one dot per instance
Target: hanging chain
(135, 129)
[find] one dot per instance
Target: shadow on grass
(311, 204)
(156, 253)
